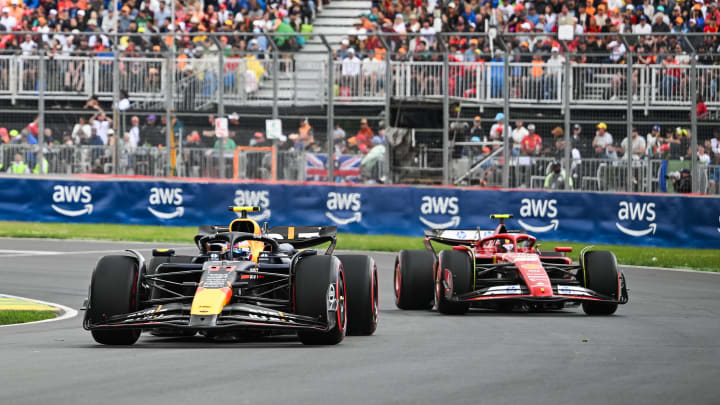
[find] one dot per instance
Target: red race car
(505, 270)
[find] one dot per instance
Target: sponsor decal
(539, 209)
(344, 208)
(74, 195)
(254, 198)
(164, 197)
(440, 205)
(636, 212)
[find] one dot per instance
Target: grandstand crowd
(146, 19)
(534, 25)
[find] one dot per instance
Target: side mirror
(563, 249)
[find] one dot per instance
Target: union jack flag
(347, 167)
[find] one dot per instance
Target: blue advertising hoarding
(634, 219)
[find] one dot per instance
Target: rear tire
(112, 292)
(601, 276)
(315, 276)
(460, 267)
(361, 281)
(413, 279)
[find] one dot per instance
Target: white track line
(670, 269)
(67, 311)
(32, 253)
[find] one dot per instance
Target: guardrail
(248, 79)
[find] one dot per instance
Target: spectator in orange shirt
(365, 134)
(304, 137)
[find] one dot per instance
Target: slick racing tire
(600, 274)
(112, 292)
(361, 281)
(413, 279)
(453, 276)
(320, 293)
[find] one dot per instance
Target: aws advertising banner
(636, 219)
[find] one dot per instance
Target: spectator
(555, 180)
(518, 134)
(338, 133)
(476, 130)
(558, 145)
(532, 142)
(151, 134)
(80, 131)
(18, 165)
(351, 67)
(652, 142)
(101, 123)
(304, 137)
(498, 129)
(370, 161)
(603, 141)
(229, 143)
(134, 138)
(365, 134)
(638, 145)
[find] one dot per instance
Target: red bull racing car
(245, 280)
(505, 270)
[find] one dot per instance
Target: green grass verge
(701, 259)
(10, 317)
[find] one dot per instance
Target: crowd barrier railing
(249, 79)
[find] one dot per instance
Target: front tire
(320, 293)
(600, 274)
(413, 279)
(361, 280)
(113, 292)
(453, 276)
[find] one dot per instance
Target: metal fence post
(116, 92)
(330, 112)
(506, 113)
(168, 107)
(388, 104)
(693, 126)
(221, 107)
(629, 122)
(275, 79)
(41, 113)
(446, 118)
(566, 113)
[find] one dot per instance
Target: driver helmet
(241, 248)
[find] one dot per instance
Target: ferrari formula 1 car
(504, 270)
(245, 280)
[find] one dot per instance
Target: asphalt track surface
(661, 348)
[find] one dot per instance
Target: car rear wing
(460, 236)
(302, 237)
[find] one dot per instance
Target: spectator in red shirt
(532, 142)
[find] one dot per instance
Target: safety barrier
(249, 79)
(634, 219)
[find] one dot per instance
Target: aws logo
(349, 203)
(532, 208)
(163, 196)
(259, 198)
(72, 195)
(636, 212)
(439, 205)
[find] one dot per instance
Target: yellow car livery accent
(210, 301)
